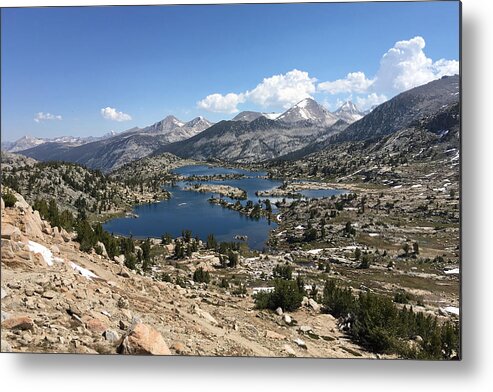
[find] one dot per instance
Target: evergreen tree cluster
(73, 186)
(376, 323)
(50, 212)
(286, 295)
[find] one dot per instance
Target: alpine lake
(191, 210)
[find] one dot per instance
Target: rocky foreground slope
(56, 298)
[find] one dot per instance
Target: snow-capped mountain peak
(173, 121)
(176, 130)
(197, 121)
(308, 110)
(349, 112)
(304, 103)
(349, 106)
(25, 142)
(250, 116)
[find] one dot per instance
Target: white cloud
(283, 90)
(370, 100)
(444, 67)
(402, 67)
(46, 117)
(354, 82)
(114, 115)
(278, 91)
(218, 103)
(406, 65)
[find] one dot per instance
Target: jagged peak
(348, 106)
(306, 102)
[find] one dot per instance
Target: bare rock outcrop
(142, 339)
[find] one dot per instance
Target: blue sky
(62, 66)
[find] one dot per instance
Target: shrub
(130, 261)
(233, 258)
(401, 297)
(9, 199)
(365, 262)
(224, 283)
(310, 235)
(286, 295)
(282, 272)
(165, 277)
(239, 290)
(180, 281)
(201, 276)
(166, 239)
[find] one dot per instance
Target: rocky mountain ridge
(437, 99)
(76, 188)
(258, 140)
(113, 152)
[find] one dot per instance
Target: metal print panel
(268, 180)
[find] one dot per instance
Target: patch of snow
(302, 104)
(44, 252)
(281, 233)
(454, 271)
(452, 309)
(349, 175)
(271, 116)
(373, 234)
(443, 133)
(314, 251)
(304, 114)
(416, 186)
(257, 290)
(299, 227)
(83, 271)
(397, 187)
(429, 175)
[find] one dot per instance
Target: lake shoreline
(190, 206)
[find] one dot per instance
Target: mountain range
(28, 141)
(264, 135)
(250, 136)
(113, 152)
(261, 139)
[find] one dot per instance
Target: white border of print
(79, 373)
